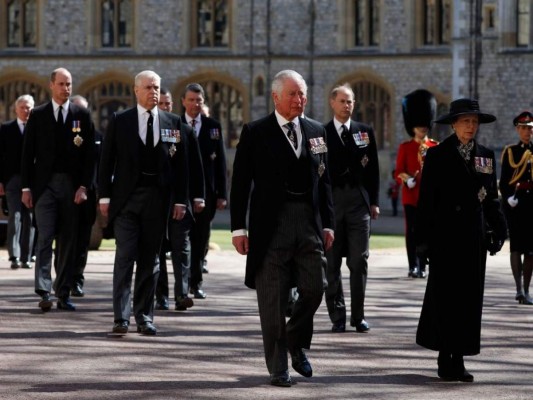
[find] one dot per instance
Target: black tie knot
(60, 120)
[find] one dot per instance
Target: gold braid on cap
(520, 167)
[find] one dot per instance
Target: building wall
(162, 37)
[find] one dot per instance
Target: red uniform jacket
(409, 164)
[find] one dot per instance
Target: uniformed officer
(516, 187)
(419, 110)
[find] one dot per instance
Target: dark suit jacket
(10, 150)
(213, 157)
(120, 160)
(364, 163)
(39, 148)
(196, 170)
(262, 160)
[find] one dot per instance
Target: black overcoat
(458, 202)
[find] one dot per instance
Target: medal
(172, 150)
(483, 165)
(482, 194)
(214, 134)
(317, 145)
(213, 156)
(78, 140)
(364, 160)
(76, 126)
(361, 138)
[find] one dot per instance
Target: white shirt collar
(282, 121)
(56, 105)
(142, 111)
(339, 124)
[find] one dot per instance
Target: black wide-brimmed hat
(462, 107)
(419, 108)
(524, 118)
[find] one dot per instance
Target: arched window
(373, 105)
(523, 22)
(105, 98)
(12, 89)
(259, 86)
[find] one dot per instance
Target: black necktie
(150, 131)
(346, 137)
(291, 133)
(60, 120)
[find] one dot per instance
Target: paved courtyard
(214, 350)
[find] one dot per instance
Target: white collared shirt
(143, 116)
(21, 125)
(198, 124)
(296, 121)
(65, 109)
(338, 127)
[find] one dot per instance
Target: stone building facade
(383, 48)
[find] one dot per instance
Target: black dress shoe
(459, 370)
(147, 328)
(413, 273)
(198, 293)
(281, 379)
(121, 327)
(300, 363)
(445, 370)
(77, 291)
(45, 304)
(15, 263)
(421, 274)
(361, 325)
(161, 304)
(338, 327)
(26, 265)
(65, 304)
(184, 303)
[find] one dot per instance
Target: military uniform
(516, 187)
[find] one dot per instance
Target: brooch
(482, 194)
(78, 140)
(172, 150)
(364, 160)
(321, 169)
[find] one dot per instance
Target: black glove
(493, 243)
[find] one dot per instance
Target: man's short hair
(344, 86)
(25, 97)
(195, 88)
(280, 77)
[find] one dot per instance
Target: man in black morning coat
(57, 167)
(143, 176)
(291, 222)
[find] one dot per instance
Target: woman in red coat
(419, 109)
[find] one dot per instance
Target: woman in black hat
(457, 208)
(516, 187)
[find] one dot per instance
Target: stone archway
(15, 84)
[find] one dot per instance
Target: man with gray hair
(20, 229)
(281, 168)
(143, 181)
